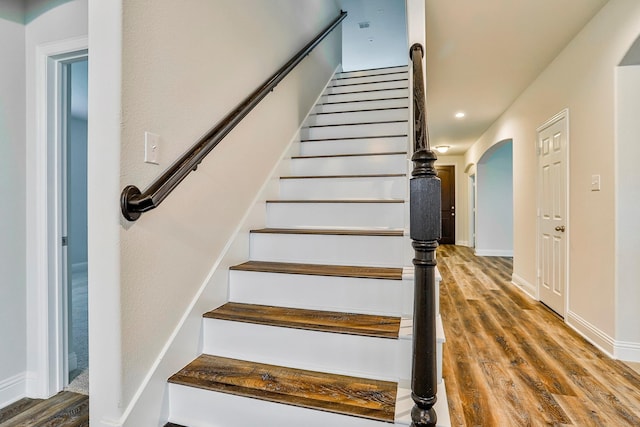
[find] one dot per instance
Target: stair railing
(133, 202)
(425, 231)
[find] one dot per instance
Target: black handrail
(425, 230)
(133, 202)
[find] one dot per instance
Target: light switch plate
(595, 182)
(151, 148)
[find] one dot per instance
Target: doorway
(472, 211)
(447, 175)
(75, 77)
(553, 142)
(66, 141)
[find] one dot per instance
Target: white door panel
(552, 161)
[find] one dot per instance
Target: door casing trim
(45, 287)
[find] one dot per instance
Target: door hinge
(65, 241)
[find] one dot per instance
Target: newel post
(425, 231)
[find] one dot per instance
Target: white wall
(12, 208)
(627, 176)
(383, 43)
(494, 204)
(462, 197)
(183, 69)
(67, 21)
(582, 79)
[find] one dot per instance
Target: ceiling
(481, 54)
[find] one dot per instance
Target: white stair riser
(361, 105)
(367, 215)
(348, 294)
(196, 407)
(354, 146)
(384, 251)
(365, 73)
(343, 188)
(358, 117)
(394, 84)
(311, 350)
(370, 79)
(358, 130)
(349, 165)
(361, 96)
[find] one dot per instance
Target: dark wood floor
(509, 361)
(65, 409)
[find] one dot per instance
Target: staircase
(317, 330)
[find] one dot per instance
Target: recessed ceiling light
(442, 148)
(460, 115)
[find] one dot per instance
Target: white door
(552, 204)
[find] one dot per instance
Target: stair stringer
(150, 404)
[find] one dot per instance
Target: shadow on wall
(494, 204)
(25, 11)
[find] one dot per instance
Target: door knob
(560, 228)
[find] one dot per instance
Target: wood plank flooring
(365, 398)
(315, 320)
(510, 361)
(65, 409)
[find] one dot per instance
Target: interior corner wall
(581, 79)
(462, 197)
(627, 212)
(183, 70)
(12, 209)
(494, 203)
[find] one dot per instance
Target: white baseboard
(462, 243)
(526, 287)
(494, 252)
(591, 333)
(627, 351)
(12, 389)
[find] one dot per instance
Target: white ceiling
(481, 54)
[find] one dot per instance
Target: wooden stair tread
(332, 232)
(382, 175)
(356, 124)
(366, 110)
(321, 270)
(404, 79)
(366, 91)
(355, 137)
(338, 201)
(370, 75)
(365, 398)
(325, 156)
(395, 98)
(315, 320)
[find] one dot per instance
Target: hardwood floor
(65, 409)
(509, 361)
